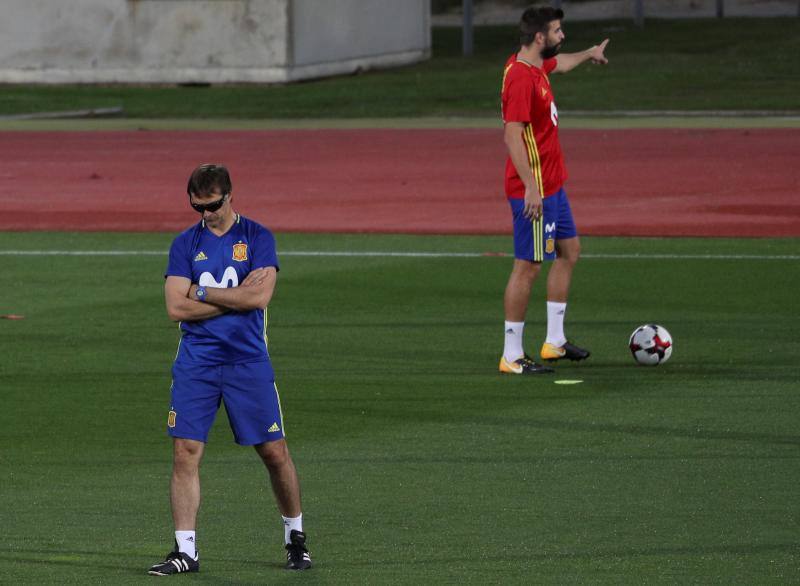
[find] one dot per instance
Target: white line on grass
(83, 252)
(695, 256)
(363, 254)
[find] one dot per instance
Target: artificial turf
(420, 464)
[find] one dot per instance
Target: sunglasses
(208, 207)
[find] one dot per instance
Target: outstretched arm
(568, 61)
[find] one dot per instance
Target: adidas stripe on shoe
(297, 556)
(176, 562)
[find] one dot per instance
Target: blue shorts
(535, 240)
(248, 391)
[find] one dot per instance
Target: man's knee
(274, 454)
(569, 250)
(187, 453)
(525, 269)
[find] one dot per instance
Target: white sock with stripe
(289, 524)
(186, 543)
(512, 350)
(555, 323)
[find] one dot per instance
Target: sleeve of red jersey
(519, 91)
(550, 64)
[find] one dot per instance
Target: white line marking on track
(376, 253)
(83, 253)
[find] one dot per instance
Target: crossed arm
(254, 292)
(568, 61)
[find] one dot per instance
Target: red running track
(622, 182)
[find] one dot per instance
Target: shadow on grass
(401, 459)
(132, 568)
(87, 559)
(646, 430)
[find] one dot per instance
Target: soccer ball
(650, 345)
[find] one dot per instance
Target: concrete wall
(215, 41)
(347, 35)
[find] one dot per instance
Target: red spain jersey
(528, 98)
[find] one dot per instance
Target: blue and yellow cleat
(524, 365)
(569, 351)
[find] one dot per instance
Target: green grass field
(730, 64)
(420, 464)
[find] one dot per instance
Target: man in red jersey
(534, 184)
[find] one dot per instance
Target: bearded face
(553, 40)
(550, 50)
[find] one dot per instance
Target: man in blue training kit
(219, 281)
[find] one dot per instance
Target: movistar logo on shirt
(229, 279)
(238, 337)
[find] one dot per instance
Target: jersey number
(553, 113)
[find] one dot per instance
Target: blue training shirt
(223, 261)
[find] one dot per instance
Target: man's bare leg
(518, 289)
(184, 492)
(515, 303)
(185, 483)
(559, 279)
(282, 475)
(560, 276)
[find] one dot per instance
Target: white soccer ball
(650, 345)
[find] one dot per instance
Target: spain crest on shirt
(240, 251)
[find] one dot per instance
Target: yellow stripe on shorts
(538, 239)
(536, 168)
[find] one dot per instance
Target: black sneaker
(524, 365)
(568, 351)
(176, 563)
(297, 557)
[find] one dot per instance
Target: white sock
(289, 524)
(186, 543)
(512, 350)
(555, 323)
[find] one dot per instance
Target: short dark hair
(537, 20)
(207, 178)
